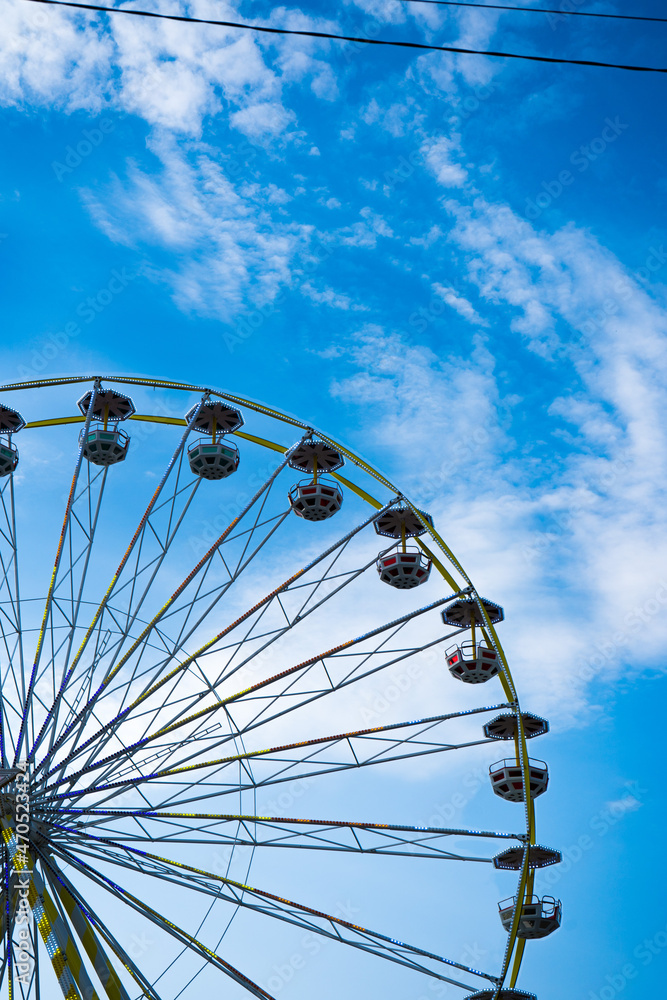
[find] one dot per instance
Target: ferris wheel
(174, 648)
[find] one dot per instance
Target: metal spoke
(349, 675)
(135, 542)
(85, 712)
(269, 904)
(52, 585)
(181, 667)
(295, 761)
(164, 924)
(69, 590)
(82, 917)
(10, 617)
(265, 831)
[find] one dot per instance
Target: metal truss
(257, 769)
(274, 831)
(266, 903)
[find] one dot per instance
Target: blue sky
(456, 265)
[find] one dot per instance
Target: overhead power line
(538, 10)
(350, 38)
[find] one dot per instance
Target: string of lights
(423, 46)
(538, 10)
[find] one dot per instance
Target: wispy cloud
(230, 254)
(577, 543)
(329, 297)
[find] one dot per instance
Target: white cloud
(172, 75)
(402, 387)
(297, 57)
(365, 233)
(398, 118)
(439, 154)
(575, 548)
(230, 254)
(434, 234)
(378, 224)
(328, 297)
(265, 118)
(476, 29)
(460, 304)
(178, 78)
(49, 57)
(268, 192)
(619, 807)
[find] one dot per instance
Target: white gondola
(403, 569)
(9, 457)
(11, 422)
(538, 919)
(104, 443)
(507, 779)
(316, 501)
(213, 459)
(104, 446)
(473, 663)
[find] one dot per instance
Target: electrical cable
(538, 10)
(350, 38)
